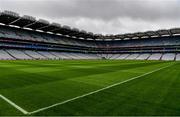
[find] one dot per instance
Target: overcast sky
(102, 16)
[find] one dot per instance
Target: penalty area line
(13, 104)
(96, 91)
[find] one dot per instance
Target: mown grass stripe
(99, 90)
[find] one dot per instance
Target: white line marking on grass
(13, 104)
(78, 97)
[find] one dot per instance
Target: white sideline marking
(13, 104)
(78, 97)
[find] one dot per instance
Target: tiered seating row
(30, 55)
(154, 56)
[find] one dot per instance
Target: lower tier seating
(169, 56)
(123, 56)
(17, 54)
(143, 57)
(5, 56)
(11, 54)
(34, 54)
(132, 57)
(178, 57)
(47, 55)
(155, 56)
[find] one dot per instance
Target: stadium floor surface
(89, 88)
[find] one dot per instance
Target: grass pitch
(37, 85)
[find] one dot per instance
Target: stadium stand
(34, 54)
(17, 54)
(123, 56)
(24, 37)
(5, 56)
(60, 55)
(115, 56)
(132, 57)
(47, 55)
(155, 56)
(169, 56)
(178, 57)
(143, 57)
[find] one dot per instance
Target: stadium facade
(27, 38)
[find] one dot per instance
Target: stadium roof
(12, 18)
(140, 35)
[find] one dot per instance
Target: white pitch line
(78, 97)
(13, 104)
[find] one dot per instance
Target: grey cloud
(102, 16)
(104, 9)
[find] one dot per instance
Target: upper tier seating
(146, 42)
(6, 32)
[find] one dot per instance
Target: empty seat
(18, 54)
(143, 57)
(5, 56)
(115, 56)
(132, 57)
(61, 55)
(155, 56)
(34, 54)
(123, 56)
(178, 57)
(47, 55)
(168, 56)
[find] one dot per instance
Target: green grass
(37, 84)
